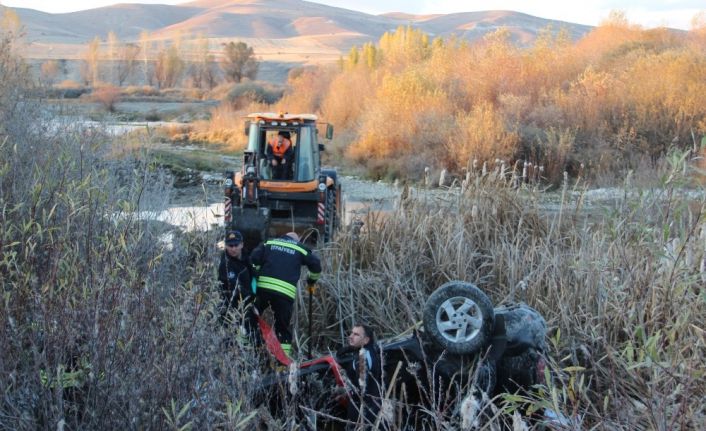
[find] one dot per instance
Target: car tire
(458, 317)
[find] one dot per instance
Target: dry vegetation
(618, 97)
(106, 324)
(624, 295)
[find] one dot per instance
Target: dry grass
(623, 294)
(121, 324)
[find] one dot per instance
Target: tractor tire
(459, 317)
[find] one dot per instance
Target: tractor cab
(282, 188)
(301, 131)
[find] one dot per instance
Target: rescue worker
(280, 154)
(236, 273)
(279, 263)
(365, 373)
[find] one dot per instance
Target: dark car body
(418, 371)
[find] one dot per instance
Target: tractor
(262, 203)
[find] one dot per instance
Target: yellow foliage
(404, 46)
(399, 113)
(667, 89)
(306, 89)
(346, 97)
(591, 97)
(620, 92)
(482, 135)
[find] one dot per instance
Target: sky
(648, 13)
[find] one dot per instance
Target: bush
(144, 90)
(252, 92)
(107, 96)
(66, 90)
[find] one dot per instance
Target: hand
(284, 161)
(274, 162)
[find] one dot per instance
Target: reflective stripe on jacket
(280, 261)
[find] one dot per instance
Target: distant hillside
(297, 25)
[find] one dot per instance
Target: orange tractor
(268, 198)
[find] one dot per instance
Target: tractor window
(254, 138)
(305, 155)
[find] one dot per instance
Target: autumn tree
(145, 50)
(49, 71)
(698, 30)
(127, 58)
(404, 46)
(239, 62)
(201, 73)
(14, 72)
(168, 67)
(91, 62)
(112, 53)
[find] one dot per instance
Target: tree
(201, 71)
(239, 62)
(49, 71)
(113, 44)
(146, 47)
(91, 58)
(168, 67)
(126, 61)
(15, 78)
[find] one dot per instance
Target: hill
(310, 31)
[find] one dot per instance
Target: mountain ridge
(277, 18)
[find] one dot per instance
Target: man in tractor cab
(279, 262)
(280, 155)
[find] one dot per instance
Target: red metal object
(272, 343)
(275, 348)
(335, 368)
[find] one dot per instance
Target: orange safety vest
(279, 149)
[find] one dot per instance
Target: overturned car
(465, 348)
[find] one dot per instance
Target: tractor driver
(280, 155)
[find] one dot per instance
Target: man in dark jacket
(365, 373)
(235, 273)
(279, 263)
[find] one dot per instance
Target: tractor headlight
(322, 187)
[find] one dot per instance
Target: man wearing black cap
(280, 263)
(235, 273)
(280, 154)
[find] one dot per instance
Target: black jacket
(236, 277)
(279, 263)
(371, 368)
(365, 362)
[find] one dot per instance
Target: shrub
(252, 92)
(66, 90)
(144, 90)
(107, 96)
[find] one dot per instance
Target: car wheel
(458, 317)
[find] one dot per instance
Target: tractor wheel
(459, 317)
(330, 215)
